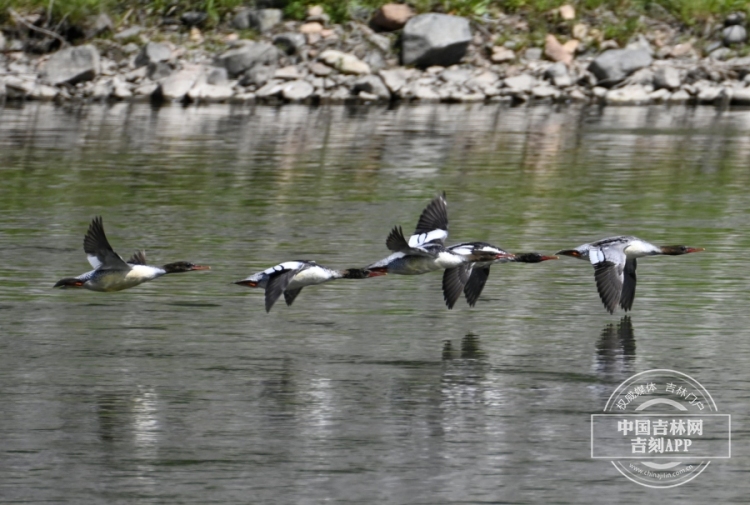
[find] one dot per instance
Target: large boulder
(72, 65)
(435, 39)
(614, 65)
(245, 57)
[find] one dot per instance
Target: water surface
(184, 390)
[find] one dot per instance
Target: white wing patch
(281, 267)
(423, 238)
(463, 250)
(596, 256)
(93, 261)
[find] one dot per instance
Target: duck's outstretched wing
(609, 266)
(290, 295)
(96, 246)
(277, 283)
(628, 286)
(138, 258)
(397, 243)
(454, 280)
(475, 284)
(432, 226)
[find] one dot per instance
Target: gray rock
(133, 31)
(545, 91)
(533, 54)
(290, 42)
(296, 91)
(271, 89)
(344, 62)
(44, 92)
(102, 90)
(640, 42)
(680, 96)
(290, 73)
(137, 74)
(153, 52)
(734, 34)
(486, 83)
(424, 93)
(520, 83)
(659, 95)
(558, 74)
(2, 42)
(615, 65)
(712, 46)
(380, 41)
(395, 79)
(247, 56)
(158, 70)
(667, 77)
(735, 18)
(101, 24)
(176, 86)
(264, 19)
(19, 87)
(455, 75)
(146, 89)
(241, 20)
(320, 69)
(708, 94)
(435, 39)
(205, 92)
(599, 92)
(577, 95)
(3, 91)
(630, 95)
(372, 84)
(258, 75)
(130, 48)
(375, 60)
(741, 96)
(721, 53)
(72, 65)
(217, 75)
(641, 77)
(121, 89)
(193, 18)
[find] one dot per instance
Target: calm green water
(184, 390)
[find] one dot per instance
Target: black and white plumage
(291, 276)
(111, 272)
(425, 249)
(614, 261)
(470, 278)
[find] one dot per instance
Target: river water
(184, 390)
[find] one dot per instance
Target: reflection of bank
(660, 429)
(615, 350)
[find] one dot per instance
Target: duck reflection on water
(615, 350)
(470, 349)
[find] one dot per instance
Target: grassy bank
(693, 14)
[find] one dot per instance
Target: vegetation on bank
(617, 19)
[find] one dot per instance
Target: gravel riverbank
(396, 55)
